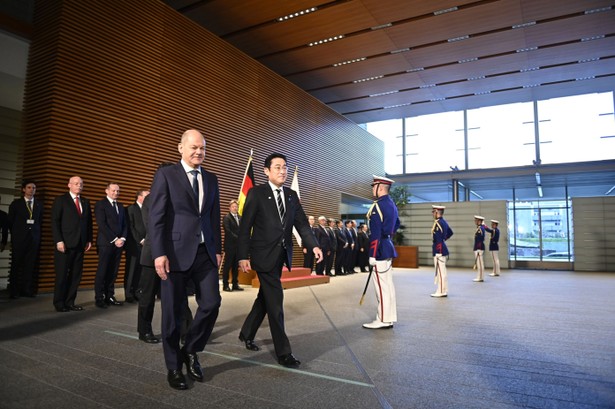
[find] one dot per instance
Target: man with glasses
(265, 245)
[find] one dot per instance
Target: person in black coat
(265, 244)
(342, 246)
(363, 257)
(25, 217)
(230, 222)
(322, 236)
(110, 241)
(134, 245)
(71, 227)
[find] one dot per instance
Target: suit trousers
(329, 262)
(23, 276)
(149, 284)
(204, 274)
(270, 302)
(109, 258)
(230, 265)
(69, 267)
(132, 275)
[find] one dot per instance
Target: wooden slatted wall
(112, 85)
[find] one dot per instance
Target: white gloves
(372, 261)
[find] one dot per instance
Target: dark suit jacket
(322, 236)
(146, 251)
(4, 226)
(67, 225)
(18, 220)
(136, 228)
(175, 222)
(111, 224)
(261, 232)
(231, 232)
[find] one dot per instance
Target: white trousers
(496, 262)
(382, 278)
(479, 263)
(441, 279)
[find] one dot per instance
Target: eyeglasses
(279, 168)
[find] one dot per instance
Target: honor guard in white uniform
(479, 248)
(494, 248)
(440, 232)
(383, 223)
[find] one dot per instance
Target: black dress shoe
(131, 300)
(250, 345)
(193, 367)
(149, 338)
(176, 379)
(75, 307)
(62, 309)
(237, 288)
(289, 361)
(113, 301)
(101, 304)
(227, 289)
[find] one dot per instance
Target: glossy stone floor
(526, 339)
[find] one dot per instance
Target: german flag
(246, 185)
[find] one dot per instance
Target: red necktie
(78, 205)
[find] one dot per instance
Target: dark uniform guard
(383, 223)
(494, 248)
(440, 232)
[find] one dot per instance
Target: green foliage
(400, 195)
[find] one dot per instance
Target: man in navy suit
(184, 228)
(265, 244)
(71, 226)
(110, 241)
(25, 217)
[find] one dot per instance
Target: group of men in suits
(180, 242)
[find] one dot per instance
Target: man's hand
(60, 247)
(88, 245)
(219, 259)
(318, 254)
(372, 261)
(161, 264)
(244, 265)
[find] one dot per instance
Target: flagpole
(245, 172)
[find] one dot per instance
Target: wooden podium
(407, 257)
(298, 277)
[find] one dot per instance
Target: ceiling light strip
(326, 40)
(297, 14)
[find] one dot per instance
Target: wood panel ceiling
(400, 58)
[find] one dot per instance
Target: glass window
(577, 129)
(501, 136)
(434, 143)
(390, 132)
(542, 231)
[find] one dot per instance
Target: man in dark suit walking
(71, 226)
(265, 244)
(110, 241)
(184, 227)
(25, 217)
(231, 230)
(149, 284)
(134, 245)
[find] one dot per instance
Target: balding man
(71, 226)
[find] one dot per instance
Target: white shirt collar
(189, 168)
